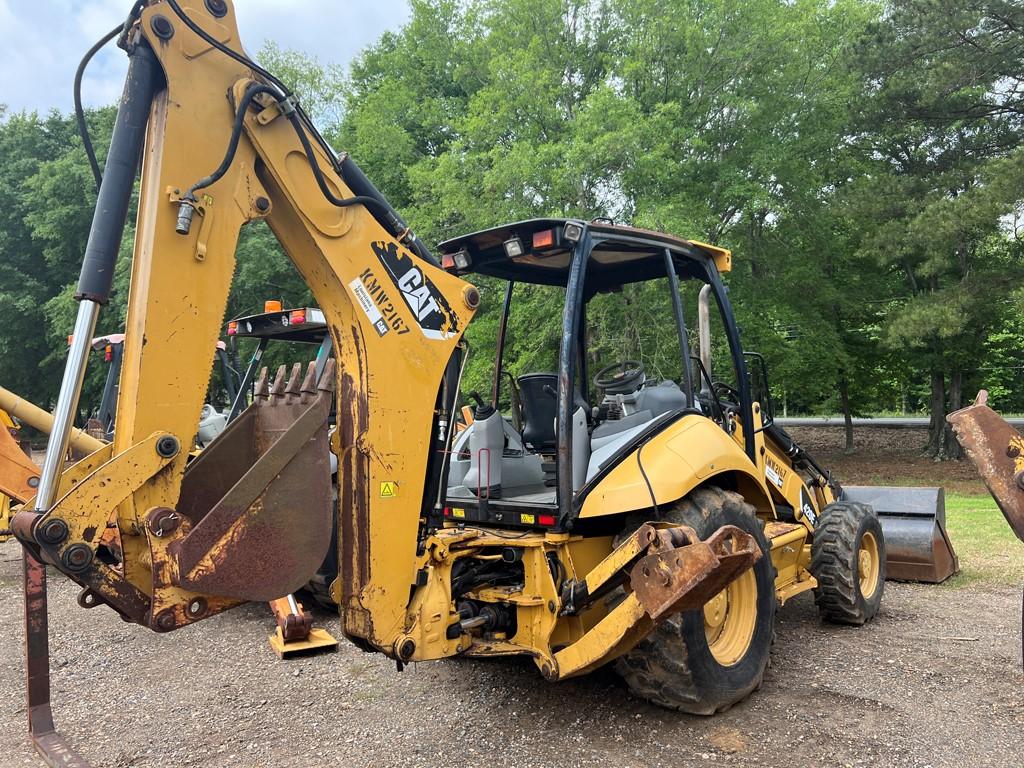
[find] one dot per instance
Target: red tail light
(545, 239)
(297, 317)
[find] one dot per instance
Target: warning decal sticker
(368, 306)
(774, 472)
(388, 489)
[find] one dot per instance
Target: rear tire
(705, 661)
(848, 560)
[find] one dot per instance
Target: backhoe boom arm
(222, 147)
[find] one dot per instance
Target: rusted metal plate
(997, 451)
(294, 624)
(259, 499)
(684, 578)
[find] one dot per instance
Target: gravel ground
(935, 680)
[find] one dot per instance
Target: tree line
(862, 159)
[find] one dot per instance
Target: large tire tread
(834, 563)
(660, 668)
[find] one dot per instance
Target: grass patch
(987, 548)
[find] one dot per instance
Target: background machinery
(659, 530)
(997, 451)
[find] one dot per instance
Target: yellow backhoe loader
(659, 527)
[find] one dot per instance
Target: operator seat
(538, 392)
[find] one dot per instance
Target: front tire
(848, 560)
(705, 661)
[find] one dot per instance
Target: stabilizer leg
(45, 738)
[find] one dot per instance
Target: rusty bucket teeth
(309, 382)
(261, 390)
(294, 380)
(277, 390)
(326, 383)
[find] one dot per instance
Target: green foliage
(862, 159)
(985, 544)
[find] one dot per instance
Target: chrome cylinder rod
(94, 284)
(67, 403)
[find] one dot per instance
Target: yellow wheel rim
(730, 618)
(868, 564)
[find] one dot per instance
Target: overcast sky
(43, 41)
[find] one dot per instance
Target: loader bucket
(997, 452)
(917, 547)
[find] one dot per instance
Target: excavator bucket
(917, 546)
(258, 500)
(997, 451)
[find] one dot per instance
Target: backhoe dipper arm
(250, 518)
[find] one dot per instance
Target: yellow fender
(689, 453)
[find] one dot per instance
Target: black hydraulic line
(321, 182)
(240, 58)
(677, 309)
(188, 200)
(246, 61)
(365, 193)
(143, 81)
(357, 181)
(83, 128)
(251, 93)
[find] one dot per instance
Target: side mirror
(757, 374)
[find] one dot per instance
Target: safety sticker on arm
(368, 306)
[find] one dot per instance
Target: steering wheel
(620, 378)
(720, 388)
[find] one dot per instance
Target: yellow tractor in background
(656, 522)
(19, 476)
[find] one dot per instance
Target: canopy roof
(620, 254)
